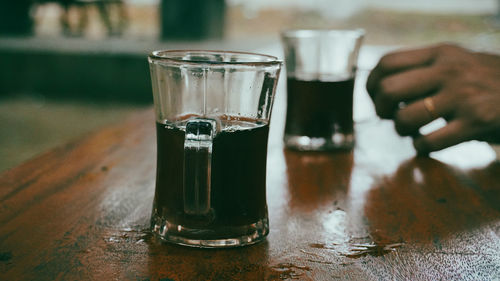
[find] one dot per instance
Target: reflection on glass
(318, 180)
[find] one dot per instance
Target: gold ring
(429, 106)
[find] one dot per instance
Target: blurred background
(68, 67)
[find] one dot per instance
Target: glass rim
(305, 33)
(176, 57)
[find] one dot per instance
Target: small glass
(321, 70)
(212, 121)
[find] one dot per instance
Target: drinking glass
(321, 70)
(212, 121)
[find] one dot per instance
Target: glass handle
(197, 165)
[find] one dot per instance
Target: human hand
(417, 86)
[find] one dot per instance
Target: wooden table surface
(81, 212)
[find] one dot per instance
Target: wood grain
(81, 212)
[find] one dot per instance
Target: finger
(411, 84)
(410, 119)
(453, 133)
(405, 86)
(399, 61)
(373, 80)
(408, 59)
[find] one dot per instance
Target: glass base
(338, 141)
(224, 237)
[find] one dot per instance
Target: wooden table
(81, 211)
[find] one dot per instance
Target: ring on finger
(430, 107)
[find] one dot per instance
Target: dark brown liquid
(319, 108)
(238, 177)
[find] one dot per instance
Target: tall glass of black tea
(212, 113)
(321, 69)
